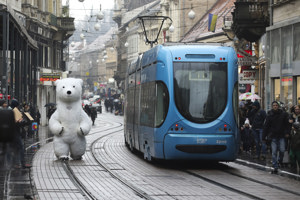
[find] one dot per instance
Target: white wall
(286, 11)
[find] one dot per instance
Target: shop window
(296, 42)
(277, 89)
(298, 89)
(275, 42)
(287, 89)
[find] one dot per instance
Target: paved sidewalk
(16, 183)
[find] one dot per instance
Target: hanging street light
(126, 44)
(153, 18)
(82, 36)
(191, 14)
(97, 26)
(171, 28)
(100, 15)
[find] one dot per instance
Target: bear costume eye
(63, 86)
(73, 86)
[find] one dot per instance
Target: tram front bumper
(194, 146)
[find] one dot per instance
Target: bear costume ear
(56, 82)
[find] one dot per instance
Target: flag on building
(212, 21)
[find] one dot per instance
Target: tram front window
(200, 90)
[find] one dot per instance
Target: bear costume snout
(69, 92)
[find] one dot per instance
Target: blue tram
(181, 102)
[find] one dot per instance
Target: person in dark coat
(93, 114)
(18, 142)
(247, 136)
(87, 110)
(276, 129)
(294, 120)
(106, 104)
(51, 111)
(257, 118)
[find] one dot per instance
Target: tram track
(81, 186)
(138, 192)
(223, 185)
(106, 149)
(226, 184)
(263, 183)
(241, 190)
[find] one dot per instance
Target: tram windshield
(200, 90)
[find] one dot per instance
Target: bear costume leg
(77, 149)
(61, 149)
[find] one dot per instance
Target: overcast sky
(80, 9)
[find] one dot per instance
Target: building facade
(34, 36)
(283, 52)
(18, 64)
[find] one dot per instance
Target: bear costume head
(69, 89)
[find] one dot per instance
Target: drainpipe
(271, 12)
(6, 56)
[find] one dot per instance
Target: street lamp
(191, 14)
(97, 26)
(171, 28)
(147, 20)
(82, 36)
(126, 44)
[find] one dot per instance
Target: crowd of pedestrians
(15, 125)
(275, 132)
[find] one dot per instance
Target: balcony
(250, 19)
(66, 23)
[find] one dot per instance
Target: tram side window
(162, 103)
(130, 105)
(147, 104)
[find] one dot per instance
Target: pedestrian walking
(31, 111)
(294, 152)
(93, 114)
(18, 142)
(257, 118)
(51, 111)
(276, 129)
(6, 129)
(247, 137)
(87, 110)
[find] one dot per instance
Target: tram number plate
(221, 141)
(201, 140)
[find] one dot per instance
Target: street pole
(6, 56)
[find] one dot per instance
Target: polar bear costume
(69, 123)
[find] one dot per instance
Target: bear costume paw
(63, 158)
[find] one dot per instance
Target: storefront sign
(250, 74)
(245, 81)
(49, 77)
